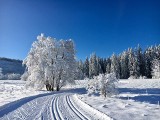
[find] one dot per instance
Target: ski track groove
(68, 113)
(51, 109)
(75, 110)
(57, 112)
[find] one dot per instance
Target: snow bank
(100, 115)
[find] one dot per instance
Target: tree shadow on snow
(5, 109)
(150, 95)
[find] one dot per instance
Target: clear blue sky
(101, 26)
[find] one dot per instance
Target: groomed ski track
(51, 106)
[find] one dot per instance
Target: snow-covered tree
(68, 67)
(93, 66)
(124, 65)
(103, 64)
(108, 82)
(108, 66)
(1, 74)
(86, 68)
(93, 86)
(102, 84)
(13, 76)
(140, 61)
(156, 69)
(0, 71)
(25, 76)
(149, 55)
(157, 52)
(99, 65)
(80, 70)
(50, 62)
(133, 64)
(115, 66)
(35, 64)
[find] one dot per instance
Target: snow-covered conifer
(108, 66)
(93, 66)
(115, 66)
(86, 68)
(140, 60)
(156, 69)
(148, 57)
(133, 64)
(124, 65)
(1, 74)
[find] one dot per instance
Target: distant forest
(134, 63)
(11, 66)
(11, 69)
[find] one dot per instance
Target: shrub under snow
(102, 84)
(14, 76)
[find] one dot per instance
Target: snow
(137, 100)
(15, 104)
(11, 90)
(100, 115)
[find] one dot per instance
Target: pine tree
(108, 66)
(104, 65)
(86, 68)
(157, 52)
(124, 65)
(93, 66)
(131, 63)
(156, 69)
(81, 70)
(1, 74)
(99, 66)
(140, 60)
(148, 56)
(115, 67)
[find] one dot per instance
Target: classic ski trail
(60, 106)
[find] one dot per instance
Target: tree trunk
(57, 87)
(47, 88)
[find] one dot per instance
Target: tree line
(52, 63)
(131, 63)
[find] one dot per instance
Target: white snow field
(137, 100)
(11, 90)
(45, 106)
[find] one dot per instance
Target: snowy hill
(11, 66)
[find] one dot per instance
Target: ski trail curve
(62, 106)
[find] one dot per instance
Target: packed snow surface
(11, 90)
(137, 100)
(49, 106)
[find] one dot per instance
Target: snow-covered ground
(137, 100)
(11, 90)
(49, 106)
